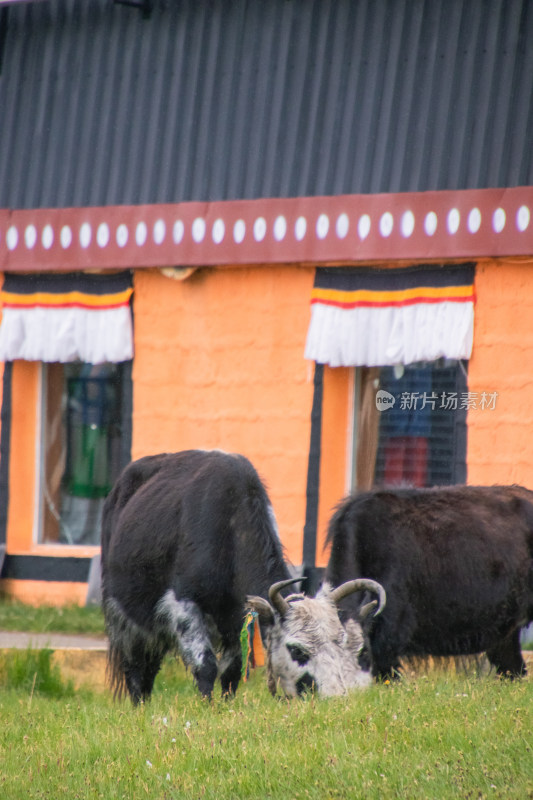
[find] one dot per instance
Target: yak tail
(120, 635)
(114, 674)
(131, 650)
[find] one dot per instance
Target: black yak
(185, 537)
(456, 564)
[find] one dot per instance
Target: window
(410, 426)
(84, 444)
(408, 332)
(79, 326)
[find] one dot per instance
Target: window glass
(81, 448)
(411, 425)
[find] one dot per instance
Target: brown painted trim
(340, 229)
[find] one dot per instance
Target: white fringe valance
(69, 317)
(378, 317)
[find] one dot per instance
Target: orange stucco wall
(499, 439)
(336, 440)
(219, 364)
(22, 456)
(50, 593)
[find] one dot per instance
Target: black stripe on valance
(62, 282)
(375, 279)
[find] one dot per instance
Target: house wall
(219, 364)
(23, 457)
(336, 445)
(499, 445)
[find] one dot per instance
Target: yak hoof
(206, 674)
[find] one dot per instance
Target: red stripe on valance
(395, 303)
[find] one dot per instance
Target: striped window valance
(380, 317)
(67, 317)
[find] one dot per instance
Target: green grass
(441, 736)
(437, 735)
(16, 616)
(32, 671)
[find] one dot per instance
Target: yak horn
(359, 585)
(279, 602)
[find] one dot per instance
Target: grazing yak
(308, 647)
(457, 566)
(186, 537)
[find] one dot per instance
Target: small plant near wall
(33, 672)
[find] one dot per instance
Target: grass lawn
(435, 735)
(440, 735)
(16, 616)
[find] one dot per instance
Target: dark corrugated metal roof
(261, 98)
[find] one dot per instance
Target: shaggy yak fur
(185, 537)
(456, 564)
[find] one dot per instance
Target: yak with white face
(307, 647)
